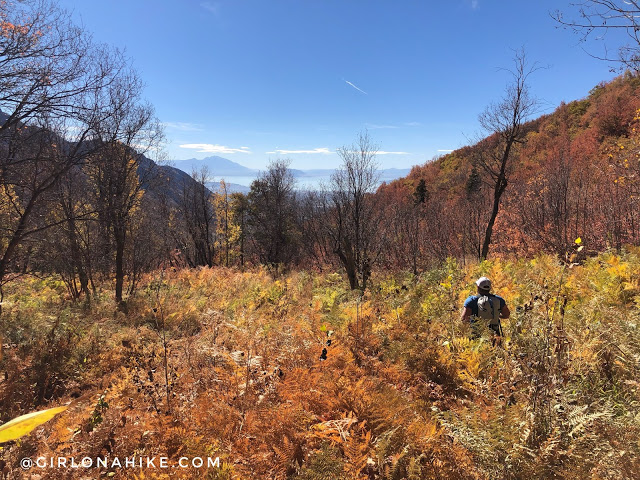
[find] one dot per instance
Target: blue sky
(254, 80)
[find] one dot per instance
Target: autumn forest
(297, 334)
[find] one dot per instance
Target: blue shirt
(472, 302)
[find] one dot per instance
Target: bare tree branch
(504, 123)
(595, 18)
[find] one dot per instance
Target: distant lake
(302, 183)
(307, 182)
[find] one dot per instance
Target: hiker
(480, 308)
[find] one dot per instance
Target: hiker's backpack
(489, 308)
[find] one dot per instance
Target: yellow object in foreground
(20, 426)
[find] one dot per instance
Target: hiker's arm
(504, 311)
(466, 314)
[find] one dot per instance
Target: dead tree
(504, 123)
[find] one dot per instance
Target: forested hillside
(576, 173)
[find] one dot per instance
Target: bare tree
(56, 96)
(312, 222)
(198, 215)
(504, 123)
(352, 223)
(70, 245)
(239, 211)
(222, 203)
(49, 67)
(120, 170)
(271, 215)
(597, 18)
(406, 207)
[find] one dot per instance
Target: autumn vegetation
(223, 362)
(312, 335)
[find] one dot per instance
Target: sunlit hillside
(574, 174)
(298, 377)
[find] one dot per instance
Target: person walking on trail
(485, 307)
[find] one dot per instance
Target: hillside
(576, 175)
(167, 181)
(300, 378)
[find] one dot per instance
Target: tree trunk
(17, 236)
(501, 185)
(350, 267)
(77, 257)
(120, 243)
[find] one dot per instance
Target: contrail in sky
(359, 89)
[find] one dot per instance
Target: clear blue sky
(253, 80)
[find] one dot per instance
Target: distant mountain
(217, 166)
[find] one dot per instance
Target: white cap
(484, 283)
